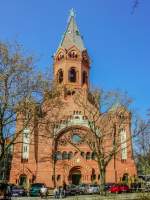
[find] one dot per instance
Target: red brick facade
(33, 153)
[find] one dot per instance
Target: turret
(71, 61)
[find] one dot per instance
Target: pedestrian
(64, 189)
(56, 193)
(43, 191)
(60, 192)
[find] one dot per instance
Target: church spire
(72, 35)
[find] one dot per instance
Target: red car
(119, 188)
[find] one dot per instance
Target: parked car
(35, 189)
(108, 186)
(4, 191)
(71, 190)
(82, 188)
(18, 191)
(119, 188)
(92, 189)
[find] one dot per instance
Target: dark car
(5, 191)
(71, 190)
(18, 191)
(35, 189)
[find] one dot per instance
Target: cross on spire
(72, 13)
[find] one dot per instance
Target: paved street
(129, 196)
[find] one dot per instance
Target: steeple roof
(72, 35)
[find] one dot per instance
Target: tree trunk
(102, 180)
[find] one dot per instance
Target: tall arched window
(93, 155)
(123, 141)
(88, 155)
(70, 155)
(60, 76)
(58, 155)
(84, 77)
(64, 155)
(82, 154)
(72, 75)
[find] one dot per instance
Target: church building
(35, 160)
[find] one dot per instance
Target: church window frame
(84, 77)
(123, 141)
(70, 155)
(72, 75)
(58, 177)
(60, 56)
(58, 155)
(73, 54)
(60, 76)
(93, 156)
(88, 156)
(83, 154)
(64, 155)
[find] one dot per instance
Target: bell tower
(71, 61)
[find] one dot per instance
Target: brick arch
(63, 131)
(59, 52)
(77, 162)
(26, 171)
(66, 130)
(75, 49)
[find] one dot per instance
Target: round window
(76, 139)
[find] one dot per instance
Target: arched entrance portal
(75, 175)
(23, 180)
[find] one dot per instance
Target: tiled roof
(72, 35)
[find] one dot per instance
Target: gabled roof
(72, 35)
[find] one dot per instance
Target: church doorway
(75, 176)
(23, 180)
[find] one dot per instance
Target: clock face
(76, 139)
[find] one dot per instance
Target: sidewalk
(127, 196)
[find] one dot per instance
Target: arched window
(93, 156)
(72, 75)
(58, 177)
(60, 56)
(73, 54)
(70, 155)
(88, 155)
(60, 76)
(22, 179)
(84, 77)
(64, 155)
(125, 177)
(82, 154)
(58, 155)
(123, 141)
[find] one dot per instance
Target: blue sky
(118, 42)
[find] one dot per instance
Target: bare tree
(135, 5)
(107, 115)
(142, 146)
(21, 90)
